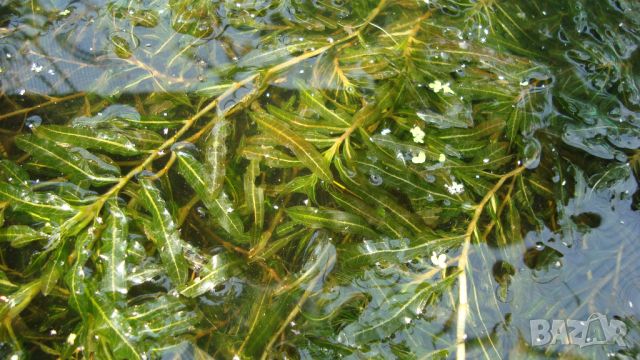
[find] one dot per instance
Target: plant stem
(40, 106)
(463, 305)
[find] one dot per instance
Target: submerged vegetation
(316, 179)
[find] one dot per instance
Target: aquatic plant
(315, 179)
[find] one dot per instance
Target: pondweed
(316, 179)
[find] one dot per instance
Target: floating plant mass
(273, 179)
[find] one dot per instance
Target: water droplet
(33, 121)
(375, 180)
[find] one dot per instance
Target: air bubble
(375, 180)
(33, 121)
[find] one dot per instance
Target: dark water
(309, 179)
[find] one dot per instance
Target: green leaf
(378, 198)
(164, 231)
(221, 209)
(56, 265)
(271, 156)
(114, 251)
(125, 116)
(13, 174)
(20, 235)
(330, 219)
(214, 273)
(215, 157)
(304, 151)
(317, 104)
(391, 306)
(42, 206)
(299, 122)
(75, 276)
(112, 324)
(369, 213)
(254, 195)
(102, 140)
(61, 159)
(6, 286)
(161, 317)
(19, 300)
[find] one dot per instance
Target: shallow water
(319, 179)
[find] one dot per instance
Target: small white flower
(437, 85)
(442, 158)
(385, 132)
(71, 338)
(455, 188)
(64, 12)
(420, 158)
(37, 68)
(418, 134)
(439, 260)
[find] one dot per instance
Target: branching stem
(463, 305)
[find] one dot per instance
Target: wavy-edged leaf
(378, 198)
(254, 195)
(315, 103)
(215, 157)
(221, 209)
(270, 318)
(6, 286)
(165, 232)
(19, 300)
(75, 276)
(42, 206)
(392, 304)
(271, 156)
(102, 140)
(304, 151)
(126, 116)
(361, 208)
(61, 159)
(214, 273)
(111, 324)
(56, 265)
(114, 252)
(145, 273)
(335, 220)
(13, 173)
(161, 317)
(302, 123)
(20, 235)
